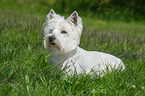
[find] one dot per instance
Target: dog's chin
(53, 48)
(56, 50)
(52, 43)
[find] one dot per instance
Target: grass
(24, 68)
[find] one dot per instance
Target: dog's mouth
(52, 43)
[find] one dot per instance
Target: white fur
(66, 51)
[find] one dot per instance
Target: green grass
(24, 68)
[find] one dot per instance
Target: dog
(62, 39)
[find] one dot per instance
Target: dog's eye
(50, 30)
(63, 32)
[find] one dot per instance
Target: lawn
(24, 68)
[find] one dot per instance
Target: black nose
(51, 38)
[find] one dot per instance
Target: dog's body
(62, 38)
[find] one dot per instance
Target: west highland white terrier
(62, 39)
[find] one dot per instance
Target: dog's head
(62, 36)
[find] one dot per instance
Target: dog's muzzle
(51, 39)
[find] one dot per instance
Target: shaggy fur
(62, 38)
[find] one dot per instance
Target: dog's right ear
(74, 18)
(51, 14)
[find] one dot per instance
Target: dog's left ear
(74, 18)
(51, 14)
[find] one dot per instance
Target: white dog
(62, 38)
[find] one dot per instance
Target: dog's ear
(51, 14)
(73, 18)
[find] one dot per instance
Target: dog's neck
(66, 55)
(58, 58)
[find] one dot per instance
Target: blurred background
(116, 27)
(126, 10)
